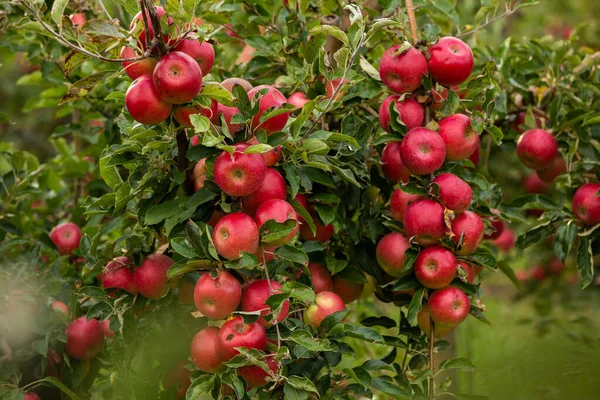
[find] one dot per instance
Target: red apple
(347, 290)
(476, 156)
(228, 113)
(31, 395)
(470, 270)
(265, 253)
(399, 201)
(218, 297)
(272, 99)
(255, 376)
(139, 19)
(422, 151)
(255, 296)
(454, 194)
(390, 253)
(144, 104)
(332, 86)
(239, 174)
(106, 329)
(205, 351)
(229, 83)
(323, 232)
(556, 267)
(150, 278)
(280, 211)
(393, 167)
(117, 275)
(402, 72)
(272, 187)
(61, 307)
(199, 174)
(216, 216)
(435, 267)
(497, 225)
(448, 306)
(320, 278)
(586, 204)
(135, 69)
(271, 157)
(450, 61)
(471, 226)
(460, 139)
(533, 184)
(177, 78)
(424, 322)
(235, 333)
(424, 219)
(85, 339)
(537, 148)
(66, 237)
(537, 273)
(78, 19)
(558, 167)
(506, 240)
(182, 114)
(411, 112)
(298, 99)
(520, 121)
(234, 233)
(185, 291)
(202, 52)
(327, 303)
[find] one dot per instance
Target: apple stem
(431, 360)
(275, 322)
(410, 10)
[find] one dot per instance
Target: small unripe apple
(272, 99)
(424, 219)
(470, 226)
(85, 339)
(448, 306)
(271, 157)
(586, 204)
(412, 114)
(255, 376)
(217, 297)
(347, 290)
(177, 78)
(144, 104)
(234, 233)
(255, 296)
(390, 253)
(537, 148)
(272, 187)
(459, 137)
(182, 114)
(117, 275)
(135, 69)
(66, 237)
(450, 61)
(239, 174)
(393, 167)
(320, 278)
(150, 278)
(548, 174)
(326, 303)
(205, 352)
(229, 83)
(298, 99)
(454, 194)
(399, 201)
(199, 174)
(202, 52)
(402, 72)
(280, 211)
(235, 333)
(422, 151)
(533, 184)
(435, 267)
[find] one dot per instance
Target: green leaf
(380, 24)
(5, 119)
(477, 121)
(302, 383)
(461, 363)
(450, 105)
(55, 382)
(484, 258)
(291, 393)
(536, 234)
(162, 211)
(564, 239)
(390, 388)
(447, 8)
(370, 335)
(415, 306)
(585, 261)
(291, 253)
(57, 12)
(331, 31)
(271, 231)
(40, 347)
(509, 272)
(202, 384)
(360, 375)
(103, 27)
(496, 133)
(178, 269)
(84, 86)
(464, 396)
(406, 282)
(217, 93)
(200, 123)
(305, 339)
(369, 69)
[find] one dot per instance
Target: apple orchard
(297, 199)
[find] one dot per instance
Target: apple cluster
(440, 224)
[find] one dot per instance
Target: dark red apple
(239, 174)
(255, 296)
(144, 104)
(256, 376)
(272, 99)
(533, 184)
(460, 139)
(234, 233)
(537, 273)
(390, 253)
(117, 274)
(556, 267)
(280, 211)
(235, 333)
(85, 339)
(323, 232)
(199, 174)
(150, 278)
(424, 219)
(435, 267)
(454, 194)
(298, 99)
(135, 69)
(448, 306)
(422, 151)
(66, 237)
(177, 78)
(320, 278)
(470, 226)
(558, 167)
(450, 61)
(326, 303)
(202, 52)
(393, 167)
(586, 204)
(399, 201)
(412, 114)
(218, 297)
(205, 351)
(537, 148)
(402, 72)
(272, 187)
(497, 226)
(347, 290)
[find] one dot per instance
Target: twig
(509, 11)
(104, 9)
(264, 262)
(182, 162)
(158, 40)
(410, 10)
(431, 360)
(370, 110)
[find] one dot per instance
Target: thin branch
(104, 9)
(410, 10)
(509, 11)
(158, 40)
